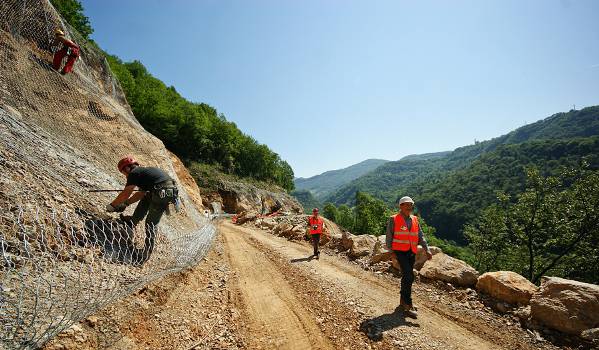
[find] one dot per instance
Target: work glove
(119, 208)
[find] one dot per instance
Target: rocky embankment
(236, 197)
(562, 311)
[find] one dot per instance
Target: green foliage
(210, 178)
(307, 200)
(346, 217)
(551, 227)
(372, 215)
(459, 197)
(195, 131)
(393, 179)
(452, 189)
(330, 212)
(72, 12)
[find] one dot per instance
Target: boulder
(267, 223)
(565, 305)
(336, 241)
(380, 251)
(362, 245)
(445, 268)
(590, 334)
(245, 216)
(325, 238)
(347, 240)
(421, 257)
(282, 228)
(506, 286)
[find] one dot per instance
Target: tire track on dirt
(275, 316)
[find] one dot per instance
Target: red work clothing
(315, 225)
(59, 55)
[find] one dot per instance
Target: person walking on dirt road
(68, 47)
(404, 234)
(316, 226)
(157, 191)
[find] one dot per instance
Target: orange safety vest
(404, 239)
(315, 222)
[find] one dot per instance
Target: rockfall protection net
(61, 257)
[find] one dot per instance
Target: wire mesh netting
(61, 257)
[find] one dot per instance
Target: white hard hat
(406, 199)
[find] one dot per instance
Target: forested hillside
(307, 200)
(324, 184)
(195, 132)
(452, 190)
(392, 179)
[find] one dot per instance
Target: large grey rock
(347, 240)
(362, 245)
(445, 268)
(506, 286)
(380, 251)
(566, 305)
(421, 257)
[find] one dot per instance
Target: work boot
(409, 311)
(317, 255)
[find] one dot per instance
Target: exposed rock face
(565, 305)
(237, 197)
(421, 257)
(445, 268)
(506, 286)
(362, 245)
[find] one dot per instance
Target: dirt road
(258, 291)
(271, 277)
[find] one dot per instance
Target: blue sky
(327, 84)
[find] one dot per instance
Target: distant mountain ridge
(461, 182)
(322, 185)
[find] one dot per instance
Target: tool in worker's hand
(112, 191)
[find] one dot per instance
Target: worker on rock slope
(404, 234)
(157, 191)
(315, 227)
(68, 47)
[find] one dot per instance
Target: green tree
(330, 212)
(552, 227)
(372, 215)
(345, 218)
(72, 12)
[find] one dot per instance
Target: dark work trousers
(152, 207)
(406, 262)
(316, 243)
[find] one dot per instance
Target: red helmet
(315, 210)
(128, 160)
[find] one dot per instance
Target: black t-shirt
(146, 177)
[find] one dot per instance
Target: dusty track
(258, 291)
(377, 296)
(275, 316)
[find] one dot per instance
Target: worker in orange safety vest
(315, 227)
(404, 234)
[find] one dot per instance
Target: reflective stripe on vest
(404, 239)
(318, 222)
